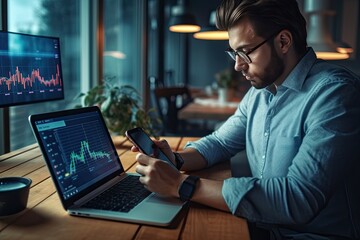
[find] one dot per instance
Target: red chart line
(18, 79)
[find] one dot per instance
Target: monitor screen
(30, 69)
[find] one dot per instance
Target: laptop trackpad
(157, 209)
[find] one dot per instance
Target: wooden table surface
(45, 218)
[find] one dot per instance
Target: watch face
(187, 189)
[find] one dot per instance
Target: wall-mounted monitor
(30, 69)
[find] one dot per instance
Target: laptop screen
(78, 149)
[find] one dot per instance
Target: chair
(169, 100)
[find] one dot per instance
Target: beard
(271, 72)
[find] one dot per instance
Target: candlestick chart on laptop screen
(30, 69)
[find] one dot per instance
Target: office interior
(129, 41)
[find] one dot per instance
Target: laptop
(88, 174)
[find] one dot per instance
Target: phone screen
(144, 143)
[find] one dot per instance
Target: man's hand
(158, 176)
(160, 144)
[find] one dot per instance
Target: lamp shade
(211, 32)
(319, 35)
(328, 52)
(343, 47)
(182, 22)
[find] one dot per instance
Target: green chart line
(80, 157)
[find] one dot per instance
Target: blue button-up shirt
(303, 148)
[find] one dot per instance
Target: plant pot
(224, 95)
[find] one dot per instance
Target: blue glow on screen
(30, 69)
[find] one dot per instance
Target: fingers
(134, 149)
(157, 176)
(161, 143)
(140, 169)
(143, 159)
(156, 151)
(143, 178)
(157, 144)
(143, 169)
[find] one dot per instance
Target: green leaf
(120, 107)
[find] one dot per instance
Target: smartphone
(144, 143)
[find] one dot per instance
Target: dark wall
(205, 58)
(208, 57)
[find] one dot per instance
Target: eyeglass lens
(241, 55)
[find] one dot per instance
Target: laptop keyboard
(122, 197)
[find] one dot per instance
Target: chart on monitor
(30, 69)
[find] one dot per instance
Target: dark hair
(266, 16)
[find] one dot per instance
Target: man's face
(266, 65)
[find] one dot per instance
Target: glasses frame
(245, 55)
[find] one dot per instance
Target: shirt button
(263, 157)
(266, 134)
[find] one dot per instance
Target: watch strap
(187, 188)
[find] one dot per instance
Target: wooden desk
(206, 112)
(45, 217)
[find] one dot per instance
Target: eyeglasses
(244, 56)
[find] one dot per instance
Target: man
(299, 124)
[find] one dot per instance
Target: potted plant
(120, 107)
(224, 79)
(226, 85)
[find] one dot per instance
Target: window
(75, 22)
(49, 18)
(123, 42)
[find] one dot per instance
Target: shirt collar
(297, 76)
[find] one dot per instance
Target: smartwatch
(187, 188)
(178, 160)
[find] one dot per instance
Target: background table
(208, 109)
(45, 217)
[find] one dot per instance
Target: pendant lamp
(211, 32)
(319, 35)
(181, 20)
